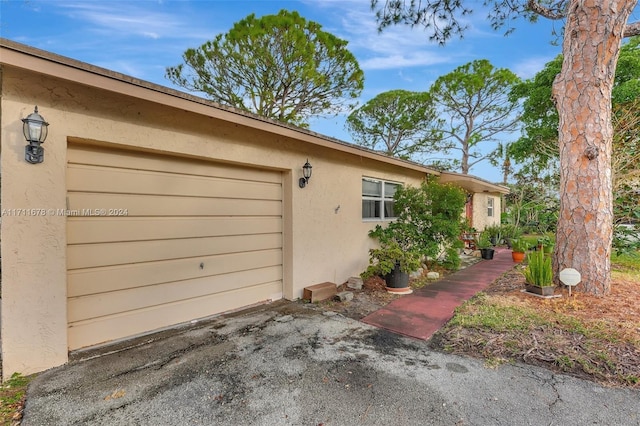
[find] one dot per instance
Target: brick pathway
(423, 312)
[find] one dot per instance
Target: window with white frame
(377, 198)
(490, 206)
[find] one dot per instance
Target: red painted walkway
(423, 312)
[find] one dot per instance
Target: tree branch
(632, 29)
(547, 12)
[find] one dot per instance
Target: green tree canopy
(626, 86)
(537, 148)
(398, 122)
(278, 66)
(475, 100)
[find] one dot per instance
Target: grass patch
(490, 313)
(627, 264)
(12, 394)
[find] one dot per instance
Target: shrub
(511, 231)
(428, 223)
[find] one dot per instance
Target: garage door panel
(104, 329)
(153, 241)
(86, 155)
(96, 255)
(103, 304)
(152, 206)
(83, 282)
(82, 230)
(110, 180)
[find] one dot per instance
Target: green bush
(452, 258)
(428, 223)
(530, 242)
(510, 231)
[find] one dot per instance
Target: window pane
(370, 209)
(388, 209)
(390, 189)
(371, 188)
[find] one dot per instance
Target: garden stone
(355, 283)
(417, 273)
(433, 275)
(344, 296)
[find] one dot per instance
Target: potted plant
(546, 243)
(494, 234)
(519, 248)
(394, 264)
(538, 274)
(483, 243)
(509, 232)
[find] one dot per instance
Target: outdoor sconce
(469, 197)
(35, 132)
(306, 172)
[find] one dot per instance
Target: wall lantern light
(35, 132)
(306, 172)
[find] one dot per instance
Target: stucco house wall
(324, 236)
(482, 196)
(486, 210)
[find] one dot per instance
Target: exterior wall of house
(325, 238)
(483, 215)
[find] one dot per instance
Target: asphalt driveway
(292, 364)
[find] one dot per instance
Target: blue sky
(141, 38)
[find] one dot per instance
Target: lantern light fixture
(306, 172)
(35, 130)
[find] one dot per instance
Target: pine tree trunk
(464, 162)
(582, 92)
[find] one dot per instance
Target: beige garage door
(155, 240)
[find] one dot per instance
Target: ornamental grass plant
(538, 271)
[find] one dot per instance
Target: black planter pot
(397, 281)
(542, 291)
(397, 278)
(487, 253)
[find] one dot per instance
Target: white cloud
(528, 68)
(395, 48)
(125, 19)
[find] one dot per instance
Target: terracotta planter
(543, 291)
(518, 256)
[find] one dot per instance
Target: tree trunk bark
(582, 91)
(464, 162)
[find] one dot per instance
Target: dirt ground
(372, 297)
